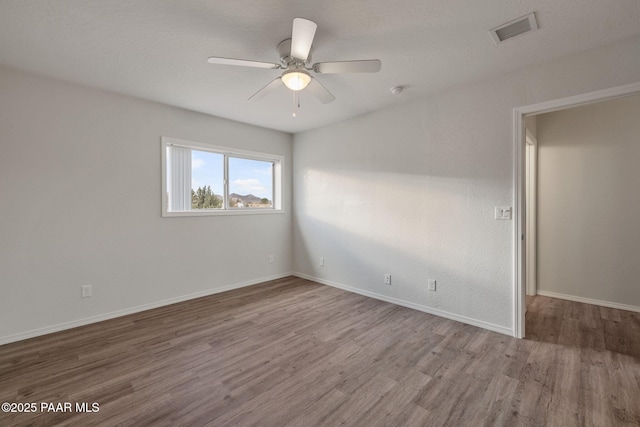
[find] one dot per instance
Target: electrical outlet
(387, 279)
(86, 291)
(432, 285)
(270, 259)
(322, 262)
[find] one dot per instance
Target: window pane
(207, 180)
(250, 183)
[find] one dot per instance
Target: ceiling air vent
(514, 28)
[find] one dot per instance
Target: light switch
(503, 212)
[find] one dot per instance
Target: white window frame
(278, 179)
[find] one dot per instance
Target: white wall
(411, 190)
(589, 202)
(80, 204)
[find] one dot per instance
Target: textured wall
(589, 203)
(411, 190)
(80, 196)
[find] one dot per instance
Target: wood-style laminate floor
(292, 352)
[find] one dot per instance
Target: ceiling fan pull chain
(296, 103)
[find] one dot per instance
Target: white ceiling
(158, 49)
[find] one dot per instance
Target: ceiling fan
(295, 57)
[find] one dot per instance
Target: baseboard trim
(591, 301)
(419, 307)
(131, 310)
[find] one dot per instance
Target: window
(201, 179)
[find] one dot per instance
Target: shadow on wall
(414, 227)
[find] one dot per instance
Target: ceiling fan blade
(266, 89)
(241, 62)
(302, 37)
(320, 92)
(364, 66)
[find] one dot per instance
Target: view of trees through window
(199, 179)
(250, 182)
(207, 180)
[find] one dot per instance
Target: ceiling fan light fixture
(296, 79)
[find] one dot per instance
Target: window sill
(223, 212)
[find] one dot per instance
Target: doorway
(522, 230)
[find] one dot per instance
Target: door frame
(519, 190)
(531, 206)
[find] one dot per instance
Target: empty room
(289, 213)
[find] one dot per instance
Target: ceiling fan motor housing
(288, 61)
